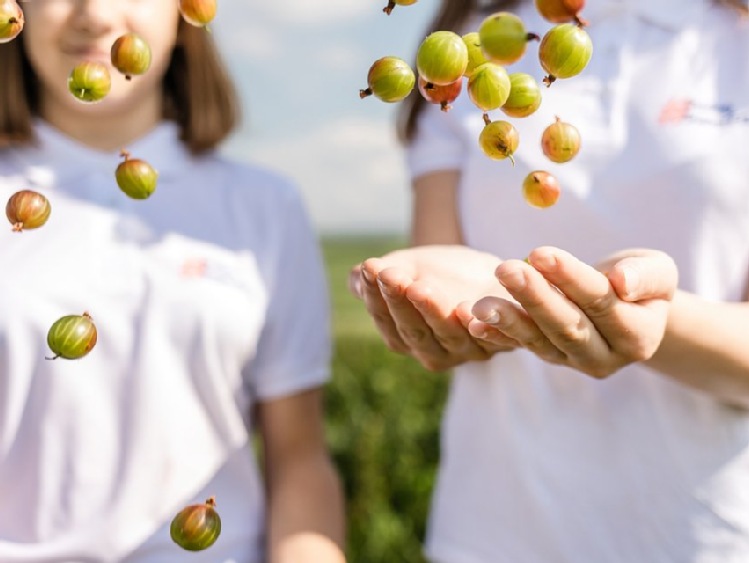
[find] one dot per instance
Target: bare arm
(305, 501)
(434, 211)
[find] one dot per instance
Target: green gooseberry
(72, 336)
(390, 79)
(565, 51)
(135, 177)
(489, 86)
(89, 81)
(476, 56)
(196, 527)
(504, 38)
(499, 139)
(525, 95)
(131, 55)
(442, 58)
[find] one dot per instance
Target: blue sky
(299, 65)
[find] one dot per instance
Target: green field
(383, 413)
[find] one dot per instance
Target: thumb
(639, 278)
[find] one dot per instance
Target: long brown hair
(452, 15)
(199, 94)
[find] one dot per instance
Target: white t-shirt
(541, 464)
(208, 297)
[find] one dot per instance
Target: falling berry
(541, 189)
(560, 141)
(476, 56)
(131, 55)
(489, 87)
(564, 51)
(198, 12)
(136, 177)
(504, 38)
(90, 81)
(393, 3)
(390, 79)
(72, 336)
(561, 11)
(442, 57)
(442, 95)
(196, 527)
(27, 209)
(11, 20)
(525, 95)
(499, 139)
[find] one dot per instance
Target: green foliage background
(383, 417)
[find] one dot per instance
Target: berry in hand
(131, 55)
(90, 81)
(504, 38)
(442, 58)
(393, 3)
(11, 20)
(196, 527)
(390, 79)
(72, 336)
(442, 95)
(541, 189)
(560, 141)
(525, 95)
(27, 209)
(564, 51)
(135, 177)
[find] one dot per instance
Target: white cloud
(350, 172)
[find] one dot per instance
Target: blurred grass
(383, 413)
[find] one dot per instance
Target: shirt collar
(667, 14)
(58, 161)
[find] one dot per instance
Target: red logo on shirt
(677, 110)
(193, 268)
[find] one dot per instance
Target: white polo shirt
(541, 464)
(208, 297)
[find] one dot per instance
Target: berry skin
(11, 20)
(561, 11)
(131, 55)
(499, 140)
(503, 38)
(196, 527)
(564, 52)
(442, 58)
(27, 209)
(198, 12)
(541, 189)
(489, 87)
(135, 177)
(560, 141)
(476, 56)
(71, 337)
(390, 79)
(525, 96)
(90, 81)
(442, 95)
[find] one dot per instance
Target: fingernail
(544, 261)
(491, 317)
(631, 280)
(514, 279)
(386, 289)
(367, 276)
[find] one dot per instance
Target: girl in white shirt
(598, 410)
(209, 299)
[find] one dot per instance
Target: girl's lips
(89, 54)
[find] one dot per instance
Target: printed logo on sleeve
(678, 110)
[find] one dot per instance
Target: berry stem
(364, 93)
(389, 8)
(532, 37)
(18, 227)
(487, 119)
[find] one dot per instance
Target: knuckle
(414, 335)
(599, 306)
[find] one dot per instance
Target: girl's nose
(95, 17)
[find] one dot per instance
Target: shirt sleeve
(437, 145)
(294, 350)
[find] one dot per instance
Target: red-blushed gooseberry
(27, 209)
(90, 81)
(525, 95)
(393, 3)
(499, 139)
(564, 51)
(11, 20)
(489, 87)
(503, 38)
(198, 12)
(196, 527)
(442, 95)
(131, 54)
(390, 79)
(135, 177)
(476, 56)
(560, 141)
(561, 11)
(541, 189)
(442, 57)
(71, 337)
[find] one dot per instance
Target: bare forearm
(706, 346)
(306, 515)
